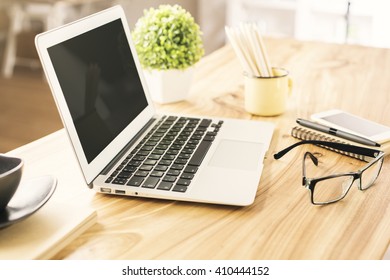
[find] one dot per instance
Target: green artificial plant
(167, 38)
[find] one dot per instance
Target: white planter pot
(168, 86)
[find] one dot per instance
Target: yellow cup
(267, 96)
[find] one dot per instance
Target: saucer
(31, 195)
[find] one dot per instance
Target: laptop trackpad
(240, 155)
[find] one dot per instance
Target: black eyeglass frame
(310, 183)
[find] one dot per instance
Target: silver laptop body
(122, 145)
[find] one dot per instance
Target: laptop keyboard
(169, 156)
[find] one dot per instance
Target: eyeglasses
(332, 188)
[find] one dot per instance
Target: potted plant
(168, 43)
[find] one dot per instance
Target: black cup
(10, 175)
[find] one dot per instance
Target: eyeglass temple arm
(314, 159)
(338, 146)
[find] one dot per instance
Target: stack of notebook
(309, 134)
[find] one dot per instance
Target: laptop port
(120, 192)
(105, 190)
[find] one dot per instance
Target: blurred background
(27, 110)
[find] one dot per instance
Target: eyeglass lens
(332, 189)
(370, 174)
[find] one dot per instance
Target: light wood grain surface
(282, 223)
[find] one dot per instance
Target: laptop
(122, 145)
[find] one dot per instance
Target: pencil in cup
(249, 47)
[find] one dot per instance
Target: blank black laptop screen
(101, 85)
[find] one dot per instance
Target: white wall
(322, 20)
(134, 8)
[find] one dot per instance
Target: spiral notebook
(307, 134)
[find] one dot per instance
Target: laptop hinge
(127, 147)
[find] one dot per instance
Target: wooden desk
(281, 224)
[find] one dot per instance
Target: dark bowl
(10, 175)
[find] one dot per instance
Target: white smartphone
(353, 124)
